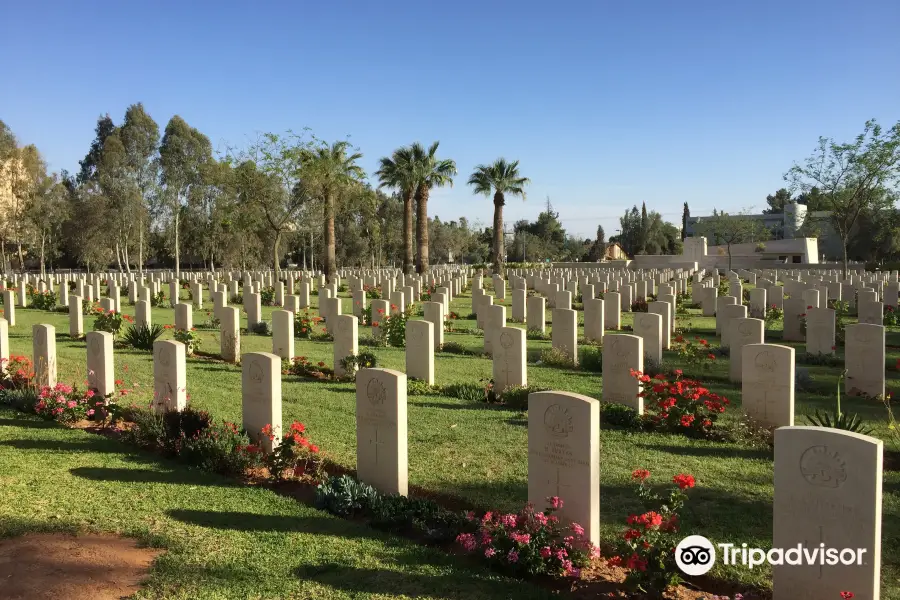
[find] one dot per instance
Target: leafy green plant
(158, 299)
(647, 549)
(620, 416)
(472, 392)
(267, 296)
(345, 496)
(303, 367)
(294, 456)
(304, 324)
(361, 360)
(417, 387)
(515, 396)
(190, 338)
(537, 334)
(260, 328)
(591, 359)
(41, 300)
(143, 337)
(839, 419)
(457, 348)
(554, 357)
(110, 321)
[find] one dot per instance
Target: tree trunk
(177, 248)
(141, 250)
(329, 237)
(43, 242)
(422, 229)
(275, 246)
(408, 231)
(846, 260)
(312, 252)
(729, 262)
(21, 256)
(3, 252)
(118, 257)
(127, 260)
(498, 232)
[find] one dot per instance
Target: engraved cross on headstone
(376, 442)
(558, 483)
(807, 545)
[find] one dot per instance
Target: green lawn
(478, 453)
(223, 540)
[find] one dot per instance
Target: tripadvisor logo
(696, 555)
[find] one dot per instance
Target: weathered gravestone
(420, 350)
(742, 332)
(828, 495)
(509, 359)
(169, 376)
(564, 456)
(44, 349)
(381, 430)
(283, 333)
(101, 374)
(623, 353)
(864, 357)
(767, 392)
(346, 340)
(261, 396)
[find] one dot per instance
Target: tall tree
(122, 198)
(430, 172)
(328, 171)
(398, 172)
(105, 127)
(140, 138)
(47, 214)
(183, 152)
(502, 178)
(852, 177)
(28, 183)
(684, 221)
(777, 201)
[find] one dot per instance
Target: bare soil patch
(81, 567)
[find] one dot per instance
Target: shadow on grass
(255, 522)
(711, 451)
(27, 423)
(182, 476)
(99, 445)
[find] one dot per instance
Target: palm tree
(397, 172)
(329, 170)
(430, 172)
(501, 178)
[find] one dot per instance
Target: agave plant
(838, 419)
(143, 336)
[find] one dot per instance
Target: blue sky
(605, 104)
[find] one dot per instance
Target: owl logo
(557, 421)
(821, 467)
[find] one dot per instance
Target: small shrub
(66, 404)
(267, 296)
(345, 496)
(515, 396)
(211, 322)
(16, 373)
(537, 334)
(158, 299)
(457, 348)
(647, 549)
(304, 325)
(890, 316)
(392, 326)
(839, 419)
(554, 357)
(774, 315)
(190, 338)
(828, 360)
(530, 543)
(362, 360)
(417, 387)
(465, 391)
(303, 367)
(639, 305)
(591, 359)
(698, 355)
(260, 328)
(294, 456)
(110, 321)
(22, 399)
(42, 300)
(680, 405)
(372, 293)
(143, 337)
(620, 416)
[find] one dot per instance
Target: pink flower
(578, 529)
(467, 540)
(508, 520)
(545, 552)
(90, 412)
(488, 517)
(556, 502)
(71, 404)
(470, 516)
(513, 556)
(521, 538)
(489, 552)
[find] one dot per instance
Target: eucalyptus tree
(140, 137)
(183, 152)
(398, 172)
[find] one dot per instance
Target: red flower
(640, 474)
(711, 356)
(684, 481)
(635, 563)
(615, 561)
(321, 364)
(846, 595)
(632, 534)
(703, 342)
(686, 420)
